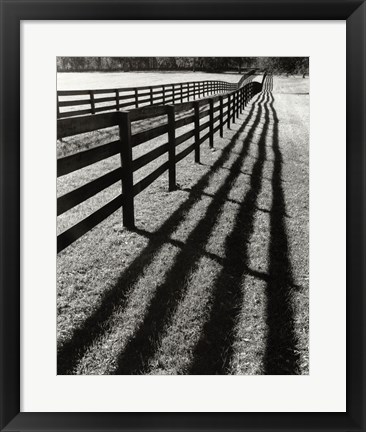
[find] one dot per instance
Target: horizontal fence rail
(71, 103)
(207, 116)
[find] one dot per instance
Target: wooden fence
(207, 115)
(96, 101)
(71, 103)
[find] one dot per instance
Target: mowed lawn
(214, 280)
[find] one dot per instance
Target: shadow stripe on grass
(214, 351)
(281, 356)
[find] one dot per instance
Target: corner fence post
(211, 123)
(92, 102)
(171, 147)
(221, 117)
(197, 156)
(228, 110)
(127, 172)
(136, 98)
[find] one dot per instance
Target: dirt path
(214, 280)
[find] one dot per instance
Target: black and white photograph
(182, 215)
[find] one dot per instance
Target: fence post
(163, 87)
(173, 93)
(58, 106)
(233, 109)
(117, 100)
(136, 98)
(92, 102)
(188, 92)
(211, 123)
(197, 155)
(221, 117)
(151, 96)
(237, 103)
(171, 150)
(204, 88)
(181, 93)
(228, 110)
(127, 173)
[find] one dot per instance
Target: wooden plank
(184, 137)
(145, 182)
(185, 106)
(216, 128)
(84, 158)
(81, 194)
(72, 234)
(149, 157)
(204, 138)
(204, 125)
(72, 92)
(147, 112)
(148, 135)
(74, 102)
(107, 99)
(184, 121)
(107, 108)
(68, 114)
(70, 127)
(185, 153)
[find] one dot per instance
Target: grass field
(215, 277)
(101, 80)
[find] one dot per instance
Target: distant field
(99, 80)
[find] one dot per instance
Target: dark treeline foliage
(289, 65)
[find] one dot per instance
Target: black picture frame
(12, 12)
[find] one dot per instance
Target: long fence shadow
(214, 350)
(135, 357)
(71, 351)
(281, 357)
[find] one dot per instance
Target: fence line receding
(207, 116)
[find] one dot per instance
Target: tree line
(288, 65)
